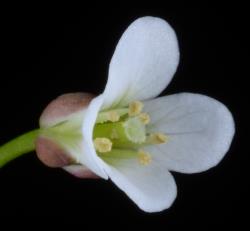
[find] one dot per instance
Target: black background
(45, 54)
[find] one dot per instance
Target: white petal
(151, 187)
(200, 131)
(143, 63)
(90, 158)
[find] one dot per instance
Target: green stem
(18, 146)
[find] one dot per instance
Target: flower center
(122, 133)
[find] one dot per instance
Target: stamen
(103, 144)
(144, 158)
(157, 138)
(135, 108)
(145, 118)
(113, 116)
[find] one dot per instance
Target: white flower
(135, 139)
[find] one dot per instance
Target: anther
(113, 116)
(144, 158)
(158, 138)
(144, 117)
(135, 108)
(103, 144)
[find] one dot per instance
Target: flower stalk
(21, 145)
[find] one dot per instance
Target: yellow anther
(144, 117)
(103, 144)
(158, 138)
(144, 158)
(135, 108)
(113, 116)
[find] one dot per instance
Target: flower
(135, 139)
